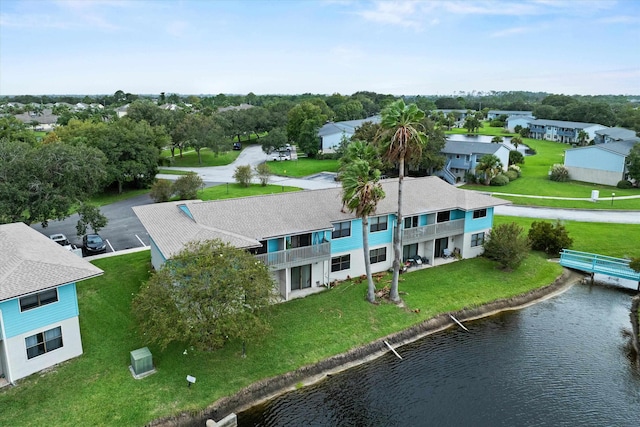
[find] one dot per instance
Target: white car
(62, 240)
(279, 157)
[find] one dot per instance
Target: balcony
(296, 256)
(432, 231)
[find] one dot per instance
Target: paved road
(124, 230)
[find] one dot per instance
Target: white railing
(296, 256)
(432, 231)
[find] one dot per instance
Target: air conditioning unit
(141, 362)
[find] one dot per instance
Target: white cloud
(511, 31)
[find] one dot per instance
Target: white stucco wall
(21, 367)
(595, 176)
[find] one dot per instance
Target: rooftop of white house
(31, 262)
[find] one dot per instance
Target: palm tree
(402, 140)
(490, 165)
(516, 141)
(361, 192)
(497, 139)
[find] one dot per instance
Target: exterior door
(301, 277)
(441, 244)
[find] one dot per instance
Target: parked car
(237, 146)
(62, 240)
(279, 156)
(93, 244)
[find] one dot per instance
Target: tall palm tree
(402, 139)
(490, 165)
(361, 192)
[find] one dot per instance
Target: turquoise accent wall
(471, 225)
(17, 322)
(354, 241)
(382, 237)
(457, 214)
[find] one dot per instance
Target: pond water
(564, 361)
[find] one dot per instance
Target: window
(301, 240)
(341, 229)
(377, 255)
(43, 342)
(443, 216)
(341, 263)
(477, 239)
(378, 223)
(410, 251)
(480, 213)
(36, 300)
(411, 222)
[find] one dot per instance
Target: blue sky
(292, 47)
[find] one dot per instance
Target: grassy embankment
(98, 389)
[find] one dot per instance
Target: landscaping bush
(624, 184)
(263, 173)
(511, 174)
(507, 244)
(499, 180)
(548, 237)
(186, 187)
(516, 169)
(470, 178)
(161, 190)
(516, 158)
(559, 173)
(243, 175)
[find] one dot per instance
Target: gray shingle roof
(348, 126)
(617, 133)
(463, 147)
(31, 262)
(563, 124)
(244, 221)
(619, 147)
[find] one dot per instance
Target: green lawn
(189, 159)
(172, 172)
(535, 181)
(602, 238)
(109, 197)
(229, 191)
(302, 167)
(97, 388)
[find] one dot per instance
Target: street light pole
(612, 196)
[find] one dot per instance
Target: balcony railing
(296, 256)
(432, 231)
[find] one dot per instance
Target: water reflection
(564, 361)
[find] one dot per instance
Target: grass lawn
(302, 167)
(601, 238)
(97, 388)
(109, 197)
(229, 191)
(535, 181)
(189, 159)
(172, 172)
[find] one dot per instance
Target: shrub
(548, 237)
(511, 174)
(264, 173)
(161, 190)
(470, 178)
(516, 169)
(243, 175)
(499, 180)
(624, 184)
(187, 186)
(635, 264)
(506, 244)
(559, 173)
(496, 123)
(516, 157)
